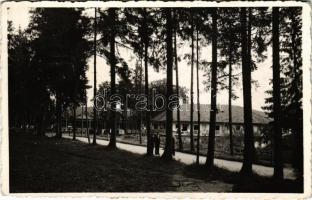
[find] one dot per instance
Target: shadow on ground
(62, 165)
(242, 183)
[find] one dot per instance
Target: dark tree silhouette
(149, 150)
(278, 162)
(60, 56)
(198, 102)
(177, 81)
(291, 119)
(112, 60)
(146, 21)
(229, 45)
(167, 155)
(246, 72)
(213, 109)
(29, 100)
(230, 103)
(141, 92)
(95, 122)
(294, 112)
(229, 54)
(192, 83)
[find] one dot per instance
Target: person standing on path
(157, 144)
(153, 142)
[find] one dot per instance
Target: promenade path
(186, 158)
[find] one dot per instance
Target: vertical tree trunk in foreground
(278, 162)
(94, 83)
(112, 60)
(213, 109)
(230, 102)
(192, 83)
(178, 90)
(167, 155)
(140, 92)
(149, 147)
(198, 102)
(246, 71)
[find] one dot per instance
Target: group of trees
(285, 102)
(50, 60)
(51, 75)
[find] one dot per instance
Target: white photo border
(307, 79)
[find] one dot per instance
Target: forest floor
(63, 165)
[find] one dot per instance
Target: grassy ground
(62, 165)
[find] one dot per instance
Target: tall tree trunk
(94, 77)
(112, 60)
(141, 92)
(213, 109)
(230, 101)
(278, 160)
(198, 102)
(74, 121)
(169, 141)
(178, 90)
(149, 148)
(58, 116)
(87, 124)
(246, 71)
(192, 83)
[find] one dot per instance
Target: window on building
(176, 126)
(155, 126)
(237, 127)
(184, 127)
(217, 128)
(196, 127)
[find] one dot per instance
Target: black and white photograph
(182, 98)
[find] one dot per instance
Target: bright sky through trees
(20, 17)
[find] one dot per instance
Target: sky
(20, 17)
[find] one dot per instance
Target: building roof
(222, 114)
